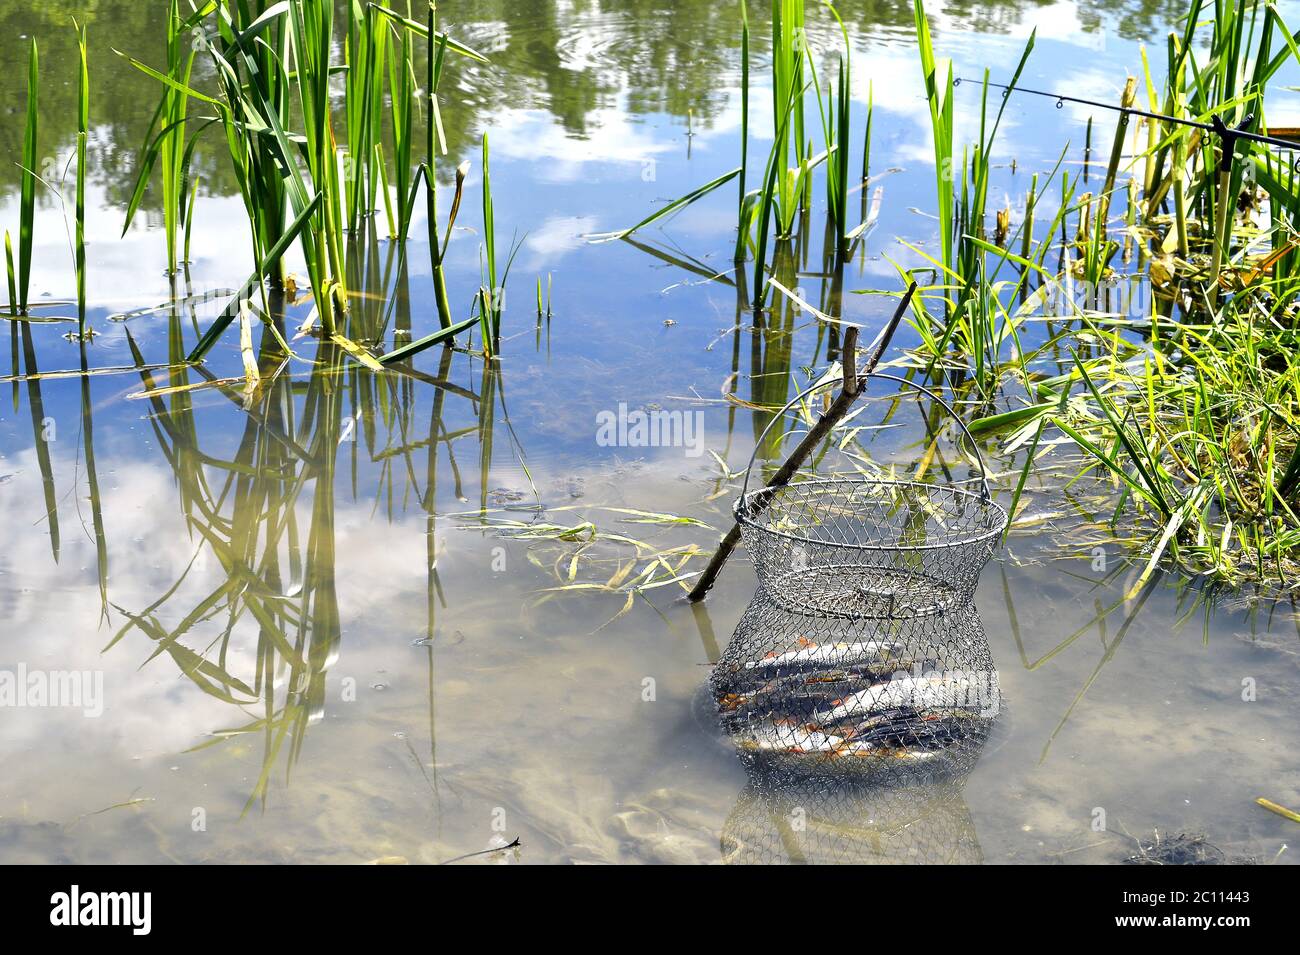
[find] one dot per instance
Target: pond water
(333, 620)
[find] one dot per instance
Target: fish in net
(854, 693)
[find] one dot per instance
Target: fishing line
(1228, 135)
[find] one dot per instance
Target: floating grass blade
(668, 209)
(428, 341)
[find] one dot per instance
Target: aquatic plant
(83, 135)
(172, 146)
(274, 64)
(20, 284)
(491, 300)
(772, 211)
(791, 159)
(365, 56)
(1189, 406)
(402, 81)
(835, 129)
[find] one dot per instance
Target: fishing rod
(1228, 135)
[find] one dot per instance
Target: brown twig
(853, 384)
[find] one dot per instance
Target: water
(443, 697)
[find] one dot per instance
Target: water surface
(344, 652)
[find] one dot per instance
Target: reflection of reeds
(40, 435)
(276, 574)
(772, 352)
(92, 483)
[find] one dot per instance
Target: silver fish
(771, 737)
(825, 654)
(945, 691)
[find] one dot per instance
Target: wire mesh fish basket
(857, 736)
(862, 548)
(803, 693)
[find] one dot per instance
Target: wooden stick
(853, 384)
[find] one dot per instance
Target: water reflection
(322, 477)
(263, 515)
(582, 63)
(771, 320)
(911, 817)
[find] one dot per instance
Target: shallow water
(446, 698)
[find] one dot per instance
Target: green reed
(366, 52)
(322, 242)
(939, 97)
(83, 136)
(248, 44)
(274, 65)
(169, 149)
(866, 135)
(491, 300)
(789, 51)
(776, 209)
(1190, 410)
(436, 53)
(402, 84)
(27, 195)
(13, 285)
(744, 200)
(835, 128)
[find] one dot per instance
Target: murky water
(315, 627)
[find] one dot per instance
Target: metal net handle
(985, 493)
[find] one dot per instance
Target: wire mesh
(876, 549)
(908, 816)
(858, 687)
(857, 734)
(851, 695)
(867, 548)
